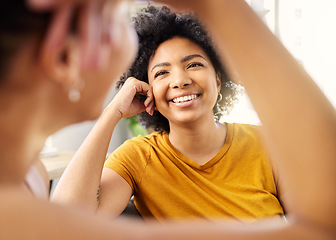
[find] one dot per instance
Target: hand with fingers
(127, 103)
(103, 26)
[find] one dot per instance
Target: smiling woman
(192, 166)
(36, 81)
(184, 82)
(153, 28)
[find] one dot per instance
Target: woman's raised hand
(102, 28)
(127, 103)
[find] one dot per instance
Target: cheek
(159, 92)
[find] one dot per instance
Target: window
(305, 27)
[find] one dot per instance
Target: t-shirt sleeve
(271, 169)
(129, 160)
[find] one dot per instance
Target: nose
(180, 80)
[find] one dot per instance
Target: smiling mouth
(184, 98)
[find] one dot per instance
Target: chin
(186, 119)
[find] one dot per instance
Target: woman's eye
(196, 64)
(160, 73)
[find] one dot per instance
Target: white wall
(307, 28)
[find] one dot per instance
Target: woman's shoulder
(245, 128)
(142, 143)
(250, 134)
(150, 138)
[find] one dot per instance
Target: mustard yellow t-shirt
(238, 183)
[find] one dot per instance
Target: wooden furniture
(55, 165)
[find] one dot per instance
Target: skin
(259, 82)
(96, 41)
(192, 121)
(34, 104)
(306, 159)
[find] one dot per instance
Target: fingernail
(149, 111)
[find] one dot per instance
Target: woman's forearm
(299, 122)
(80, 182)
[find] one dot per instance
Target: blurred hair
(18, 24)
(154, 26)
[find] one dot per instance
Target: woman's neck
(199, 142)
(21, 138)
(18, 152)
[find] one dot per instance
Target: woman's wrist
(112, 113)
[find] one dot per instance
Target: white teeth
(184, 99)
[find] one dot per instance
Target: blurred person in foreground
(302, 149)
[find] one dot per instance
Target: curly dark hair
(154, 26)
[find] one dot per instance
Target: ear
(218, 81)
(59, 54)
(62, 65)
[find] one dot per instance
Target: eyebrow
(163, 64)
(184, 59)
(189, 57)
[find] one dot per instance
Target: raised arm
(40, 220)
(298, 121)
(301, 135)
(81, 181)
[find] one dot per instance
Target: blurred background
(306, 29)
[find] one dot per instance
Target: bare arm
(256, 58)
(299, 122)
(25, 217)
(40, 220)
(81, 181)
